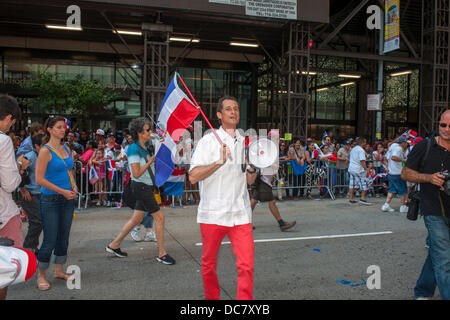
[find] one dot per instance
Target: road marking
(315, 237)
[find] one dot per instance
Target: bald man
(435, 207)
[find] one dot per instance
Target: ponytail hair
(50, 123)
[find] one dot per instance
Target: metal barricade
(320, 176)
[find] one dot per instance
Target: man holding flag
(224, 207)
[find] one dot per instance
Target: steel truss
(155, 75)
(295, 99)
(434, 77)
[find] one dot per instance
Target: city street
(332, 241)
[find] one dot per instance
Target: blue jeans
(56, 214)
(436, 270)
(147, 221)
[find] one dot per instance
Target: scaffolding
(295, 99)
(434, 76)
(155, 75)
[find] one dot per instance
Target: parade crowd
(48, 185)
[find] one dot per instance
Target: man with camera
(429, 164)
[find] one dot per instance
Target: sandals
(65, 276)
(43, 284)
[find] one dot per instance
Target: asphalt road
(332, 241)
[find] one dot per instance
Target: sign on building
(272, 9)
(374, 102)
(230, 2)
(391, 25)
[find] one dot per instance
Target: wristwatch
(20, 164)
(249, 171)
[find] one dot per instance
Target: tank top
(56, 172)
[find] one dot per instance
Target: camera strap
(152, 176)
(443, 210)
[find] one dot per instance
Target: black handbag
(413, 208)
(128, 197)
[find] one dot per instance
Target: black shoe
(119, 253)
(287, 225)
(166, 259)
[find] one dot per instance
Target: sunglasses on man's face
(444, 125)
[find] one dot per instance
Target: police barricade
(317, 176)
(325, 178)
(106, 190)
(321, 178)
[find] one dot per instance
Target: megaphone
(262, 153)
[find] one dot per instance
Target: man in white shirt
(224, 207)
(395, 158)
(10, 179)
(357, 169)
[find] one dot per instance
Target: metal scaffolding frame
(434, 77)
(295, 99)
(155, 73)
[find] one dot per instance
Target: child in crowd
(370, 174)
(99, 165)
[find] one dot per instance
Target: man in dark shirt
(435, 206)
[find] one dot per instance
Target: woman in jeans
(57, 202)
(139, 161)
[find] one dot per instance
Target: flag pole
(200, 109)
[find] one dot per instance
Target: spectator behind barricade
(368, 151)
(26, 145)
(126, 135)
(120, 158)
(110, 142)
(327, 161)
(128, 140)
(327, 142)
(98, 161)
(189, 150)
(30, 196)
(87, 155)
(282, 175)
(397, 186)
(311, 178)
(58, 194)
(378, 158)
(10, 176)
(357, 169)
(84, 138)
(343, 159)
(296, 154)
(99, 135)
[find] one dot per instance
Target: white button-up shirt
(9, 180)
(224, 198)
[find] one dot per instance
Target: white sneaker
(404, 209)
(150, 236)
(135, 234)
(387, 208)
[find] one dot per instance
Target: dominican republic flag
(67, 123)
(176, 114)
(93, 176)
(111, 166)
(175, 183)
(410, 134)
(382, 175)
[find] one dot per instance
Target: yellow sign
(391, 25)
(288, 136)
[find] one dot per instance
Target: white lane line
(315, 237)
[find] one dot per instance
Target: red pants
(241, 238)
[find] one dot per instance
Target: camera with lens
(446, 183)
